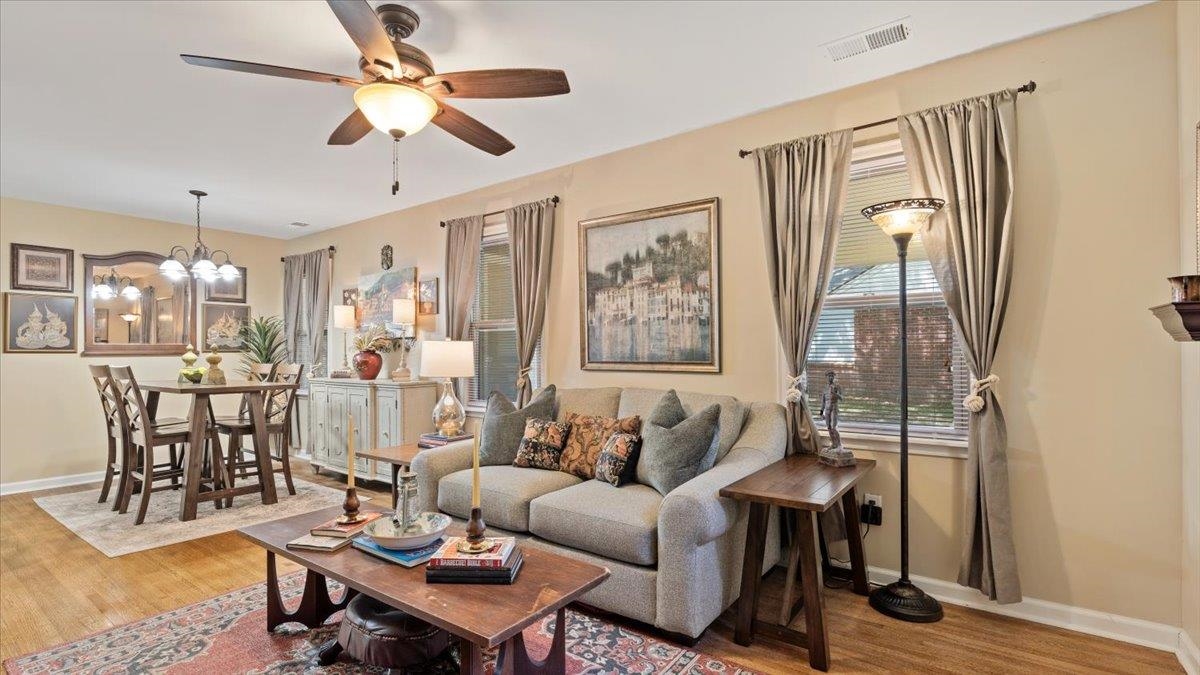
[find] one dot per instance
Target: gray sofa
(675, 561)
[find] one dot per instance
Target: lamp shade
(343, 317)
(448, 358)
(903, 217)
(392, 107)
(404, 311)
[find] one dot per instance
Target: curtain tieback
(523, 378)
(797, 388)
(973, 401)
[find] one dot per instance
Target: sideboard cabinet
(386, 413)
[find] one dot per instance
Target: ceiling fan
(399, 92)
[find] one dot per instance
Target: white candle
(475, 476)
(350, 452)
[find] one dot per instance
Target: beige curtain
(464, 236)
(306, 280)
(802, 190)
(965, 153)
(531, 239)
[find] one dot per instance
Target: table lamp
(404, 313)
(900, 220)
(448, 359)
(343, 318)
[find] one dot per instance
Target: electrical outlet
(873, 499)
(871, 511)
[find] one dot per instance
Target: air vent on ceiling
(869, 40)
(299, 224)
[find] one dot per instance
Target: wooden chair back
(138, 428)
(281, 402)
(258, 372)
(110, 400)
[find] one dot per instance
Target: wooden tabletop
(486, 615)
(397, 454)
(232, 387)
(798, 482)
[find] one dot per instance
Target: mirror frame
(90, 348)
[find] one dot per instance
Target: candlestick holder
(475, 541)
(350, 508)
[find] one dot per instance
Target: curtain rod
(496, 213)
(1026, 88)
(332, 250)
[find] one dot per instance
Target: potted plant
(368, 362)
(262, 342)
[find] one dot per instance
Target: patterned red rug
(227, 634)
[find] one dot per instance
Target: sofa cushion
(504, 493)
(598, 401)
(593, 516)
(676, 448)
(636, 401)
(504, 425)
(587, 438)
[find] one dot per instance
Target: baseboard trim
(1188, 653)
(1079, 619)
(16, 487)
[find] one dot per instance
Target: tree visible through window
(858, 332)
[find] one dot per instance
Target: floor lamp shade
(448, 359)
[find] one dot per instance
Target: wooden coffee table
(480, 616)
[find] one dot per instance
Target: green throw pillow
(504, 425)
(676, 448)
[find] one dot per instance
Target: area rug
(228, 634)
(114, 534)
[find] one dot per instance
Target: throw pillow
(676, 448)
(504, 425)
(542, 445)
(617, 459)
(587, 437)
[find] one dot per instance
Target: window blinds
(492, 326)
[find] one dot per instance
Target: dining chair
(143, 436)
(280, 405)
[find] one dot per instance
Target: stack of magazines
(438, 440)
(498, 565)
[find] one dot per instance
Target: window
(493, 325)
(858, 332)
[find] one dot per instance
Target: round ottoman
(383, 636)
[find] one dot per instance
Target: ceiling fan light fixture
(392, 107)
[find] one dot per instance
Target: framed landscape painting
(649, 290)
(376, 292)
(222, 325)
(41, 268)
(36, 323)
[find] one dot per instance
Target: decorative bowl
(425, 529)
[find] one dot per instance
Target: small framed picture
(222, 290)
(222, 325)
(427, 300)
(42, 268)
(38, 323)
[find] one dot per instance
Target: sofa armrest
(433, 464)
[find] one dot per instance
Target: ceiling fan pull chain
(395, 166)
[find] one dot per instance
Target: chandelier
(109, 287)
(200, 262)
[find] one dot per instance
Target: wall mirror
(131, 308)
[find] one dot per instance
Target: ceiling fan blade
(264, 69)
(471, 130)
(499, 83)
(361, 22)
(351, 129)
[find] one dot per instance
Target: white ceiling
(98, 111)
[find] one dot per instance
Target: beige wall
(1088, 382)
(1188, 32)
(50, 423)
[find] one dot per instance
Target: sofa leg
(680, 638)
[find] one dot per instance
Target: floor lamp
(900, 220)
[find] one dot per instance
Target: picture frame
(48, 323)
(41, 268)
(221, 326)
(427, 297)
(649, 289)
(100, 325)
(375, 295)
(231, 290)
(350, 297)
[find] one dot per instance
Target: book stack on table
(438, 440)
(498, 565)
(331, 535)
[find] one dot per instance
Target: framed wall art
(39, 323)
(649, 290)
(222, 326)
(427, 297)
(376, 292)
(41, 268)
(227, 290)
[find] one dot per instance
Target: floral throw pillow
(542, 444)
(587, 437)
(618, 458)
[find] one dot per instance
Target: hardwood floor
(56, 588)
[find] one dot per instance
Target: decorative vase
(367, 364)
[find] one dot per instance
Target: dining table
(198, 418)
